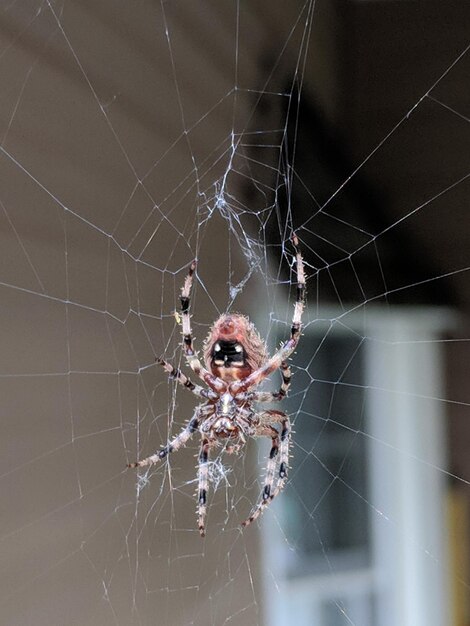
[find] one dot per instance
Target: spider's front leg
(280, 446)
(178, 441)
(194, 363)
(279, 359)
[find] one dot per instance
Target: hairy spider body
(233, 349)
(236, 361)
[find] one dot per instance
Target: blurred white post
(406, 409)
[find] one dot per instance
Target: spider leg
(267, 396)
(203, 485)
(177, 442)
(216, 384)
(286, 379)
(181, 378)
(281, 356)
(280, 446)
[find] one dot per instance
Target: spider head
(233, 348)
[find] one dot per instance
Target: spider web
(137, 137)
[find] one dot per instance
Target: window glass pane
(349, 610)
(325, 505)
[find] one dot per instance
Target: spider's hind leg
(203, 485)
(280, 447)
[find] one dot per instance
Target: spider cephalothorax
(236, 362)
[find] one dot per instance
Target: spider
(236, 362)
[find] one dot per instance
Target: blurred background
(137, 136)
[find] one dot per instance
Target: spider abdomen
(233, 348)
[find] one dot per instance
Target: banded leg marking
(300, 300)
(286, 378)
(281, 447)
(203, 485)
(186, 382)
(191, 358)
(174, 445)
(269, 396)
(185, 300)
(271, 465)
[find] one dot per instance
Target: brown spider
(236, 361)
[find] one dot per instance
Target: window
(328, 452)
(359, 535)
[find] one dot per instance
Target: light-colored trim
(406, 414)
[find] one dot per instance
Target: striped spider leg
(182, 379)
(215, 383)
(201, 413)
(269, 396)
(280, 445)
